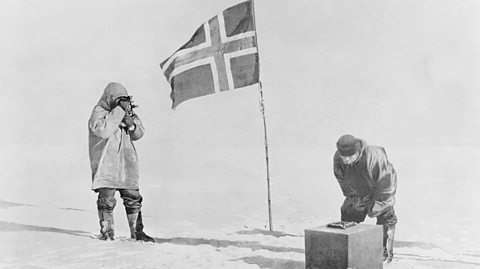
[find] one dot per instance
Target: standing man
(113, 126)
(369, 182)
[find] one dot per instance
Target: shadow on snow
(261, 261)
(253, 245)
(16, 227)
(265, 232)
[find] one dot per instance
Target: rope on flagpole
(262, 109)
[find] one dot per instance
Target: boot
(136, 228)
(106, 225)
(388, 238)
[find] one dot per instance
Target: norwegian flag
(221, 55)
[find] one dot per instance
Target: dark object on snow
(341, 224)
(357, 247)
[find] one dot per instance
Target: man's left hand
(129, 121)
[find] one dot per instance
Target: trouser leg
(388, 239)
(132, 223)
(105, 205)
(133, 204)
(132, 200)
(389, 220)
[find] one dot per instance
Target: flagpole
(262, 109)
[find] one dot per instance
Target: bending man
(369, 182)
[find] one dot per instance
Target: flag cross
(216, 51)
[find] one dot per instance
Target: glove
(129, 122)
(377, 208)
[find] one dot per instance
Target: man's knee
(132, 200)
(106, 199)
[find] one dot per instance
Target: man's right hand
(361, 203)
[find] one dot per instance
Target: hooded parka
(113, 157)
(371, 179)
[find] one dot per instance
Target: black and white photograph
(252, 134)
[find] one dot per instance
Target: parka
(371, 178)
(113, 157)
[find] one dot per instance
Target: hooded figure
(369, 183)
(113, 157)
(112, 129)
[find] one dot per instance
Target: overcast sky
(373, 67)
(397, 73)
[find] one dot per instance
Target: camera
(130, 107)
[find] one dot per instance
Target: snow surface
(206, 227)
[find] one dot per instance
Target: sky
(401, 74)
